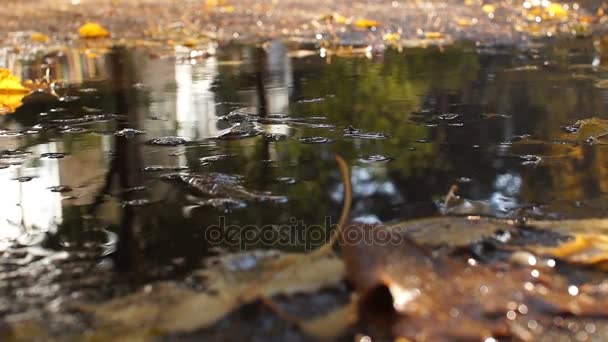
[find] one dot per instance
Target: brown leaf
(405, 290)
(232, 281)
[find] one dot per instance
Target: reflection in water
(29, 209)
(443, 117)
(196, 107)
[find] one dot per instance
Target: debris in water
(314, 140)
(375, 158)
(129, 133)
(168, 141)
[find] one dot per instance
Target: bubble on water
(352, 132)
(287, 180)
(375, 158)
(530, 159)
(52, 155)
(168, 141)
(128, 133)
(314, 140)
(273, 137)
(422, 141)
(448, 116)
(70, 129)
(136, 202)
(157, 168)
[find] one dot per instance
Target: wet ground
(138, 168)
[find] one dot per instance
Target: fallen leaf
(406, 291)
(434, 35)
(487, 8)
(589, 249)
(93, 30)
(11, 92)
(366, 23)
(230, 282)
(451, 231)
(464, 22)
(592, 128)
(391, 37)
(332, 325)
(39, 37)
(556, 10)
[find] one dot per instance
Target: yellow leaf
(10, 102)
(93, 30)
(11, 92)
(464, 22)
(589, 249)
(10, 83)
(337, 18)
(556, 10)
(215, 3)
(487, 8)
(391, 37)
(39, 37)
(434, 35)
(366, 23)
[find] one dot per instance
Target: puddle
(208, 142)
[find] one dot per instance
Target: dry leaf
(93, 30)
(487, 8)
(39, 37)
(434, 35)
(11, 92)
(366, 23)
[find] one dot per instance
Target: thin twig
(335, 235)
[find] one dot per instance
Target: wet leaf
(404, 292)
(93, 30)
(332, 325)
(230, 282)
(583, 130)
(451, 231)
(589, 249)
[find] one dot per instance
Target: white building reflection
(29, 208)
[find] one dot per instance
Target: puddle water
(138, 156)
